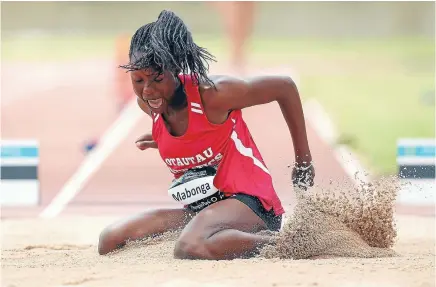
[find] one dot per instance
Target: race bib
(195, 189)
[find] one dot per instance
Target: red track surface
(131, 180)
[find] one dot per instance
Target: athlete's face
(156, 90)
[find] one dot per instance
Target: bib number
(195, 189)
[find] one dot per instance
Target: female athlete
(220, 179)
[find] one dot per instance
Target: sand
(340, 222)
(63, 252)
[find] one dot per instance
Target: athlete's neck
(179, 100)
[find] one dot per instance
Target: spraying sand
(359, 223)
(64, 251)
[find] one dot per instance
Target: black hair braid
(167, 44)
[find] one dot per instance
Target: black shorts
(272, 221)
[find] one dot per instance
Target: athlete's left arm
(232, 93)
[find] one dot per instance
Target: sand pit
(63, 252)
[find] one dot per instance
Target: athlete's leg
(224, 230)
(139, 226)
(238, 18)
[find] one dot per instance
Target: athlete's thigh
(226, 214)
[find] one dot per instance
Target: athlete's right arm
(145, 141)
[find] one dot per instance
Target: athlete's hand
(303, 175)
(145, 142)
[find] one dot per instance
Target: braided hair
(167, 44)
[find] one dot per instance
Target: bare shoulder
(211, 95)
(222, 85)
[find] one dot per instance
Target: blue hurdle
(19, 173)
(416, 166)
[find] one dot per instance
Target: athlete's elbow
(289, 90)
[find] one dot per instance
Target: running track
(130, 180)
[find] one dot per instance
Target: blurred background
(370, 64)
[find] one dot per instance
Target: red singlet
(241, 168)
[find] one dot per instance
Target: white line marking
(113, 136)
(418, 192)
(21, 161)
(19, 193)
(324, 127)
(19, 143)
(415, 160)
(352, 166)
(197, 111)
(320, 121)
(416, 142)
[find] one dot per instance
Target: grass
(374, 89)
(372, 113)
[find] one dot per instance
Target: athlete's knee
(195, 246)
(104, 241)
(190, 248)
(112, 237)
(109, 239)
